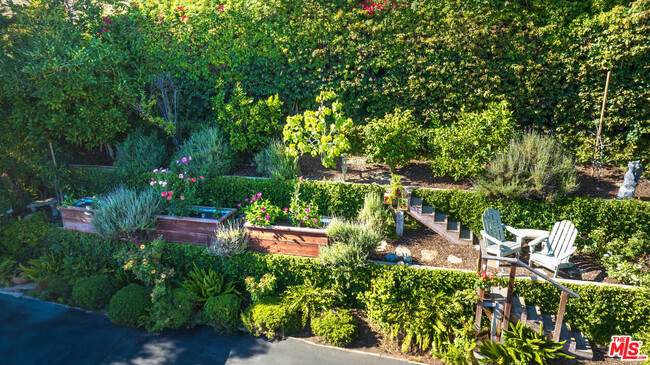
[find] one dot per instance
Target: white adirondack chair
(557, 248)
(494, 240)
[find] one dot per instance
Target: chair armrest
(534, 242)
(567, 254)
(512, 230)
(493, 240)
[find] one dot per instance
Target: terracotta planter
(196, 231)
(295, 241)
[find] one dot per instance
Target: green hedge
(601, 312)
(621, 218)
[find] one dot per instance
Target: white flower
(152, 183)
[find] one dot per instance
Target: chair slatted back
(562, 237)
(492, 224)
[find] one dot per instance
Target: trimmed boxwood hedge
(621, 218)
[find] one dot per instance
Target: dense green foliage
(274, 162)
(128, 305)
(375, 215)
(392, 139)
(223, 312)
(351, 243)
(623, 218)
(210, 151)
(174, 310)
(22, 239)
(270, 318)
(206, 284)
(139, 154)
(125, 213)
(521, 345)
(248, 124)
(532, 166)
(460, 150)
(309, 299)
(53, 287)
(337, 326)
(93, 292)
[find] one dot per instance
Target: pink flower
(259, 219)
(302, 220)
(163, 276)
(220, 8)
(246, 199)
(300, 179)
(164, 193)
(259, 195)
(286, 209)
(180, 8)
(155, 171)
(253, 198)
(103, 31)
(202, 177)
(267, 216)
(315, 220)
(169, 197)
(483, 275)
(263, 209)
(152, 295)
(177, 161)
(307, 210)
(152, 179)
(193, 179)
(182, 197)
(107, 20)
(184, 20)
(243, 218)
(180, 176)
(190, 158)
(171, 192)
(239, 205)
(183, 160)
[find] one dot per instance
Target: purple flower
(263, 209)
(307, 210)
(176, 161)
(190, 158)
(180, 175)
(300, 179)
(239, 205)
(267, 216)
(246, 199)
(315, 220)
(183, 160)
(259, 195)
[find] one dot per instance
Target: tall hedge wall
(548, 59)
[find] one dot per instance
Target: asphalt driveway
(37, 332)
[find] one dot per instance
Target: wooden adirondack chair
(557, 248)
(494, 240)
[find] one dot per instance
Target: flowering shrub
(301, 213)
(486, 281)
(375, 6)
(145, 264)
(177, 188)
(261, 212)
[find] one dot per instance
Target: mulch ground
(418, 173)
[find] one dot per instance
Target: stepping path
(37, 332)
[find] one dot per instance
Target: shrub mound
(337, 327)
(270, 318)
(128, 305)
(92, 293)
(53, 287)
(223, 312)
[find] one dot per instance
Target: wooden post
(399, 222)
(600, 127)
(508, 306)
(479, 310)
(560, 317)
(57, 191)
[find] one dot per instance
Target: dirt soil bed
(419, 174)
(430, 249)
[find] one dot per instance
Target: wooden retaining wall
(196, 231)
(295, 241)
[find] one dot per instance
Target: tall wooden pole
(599, 142)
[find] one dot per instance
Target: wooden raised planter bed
(196, 231)
(287, 240)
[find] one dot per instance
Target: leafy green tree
(320, 132)
(392, 139)
(462, 149)
(248, 124)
